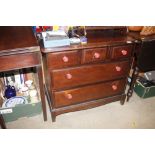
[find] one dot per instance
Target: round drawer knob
(118, 69)
(68, 76)
(124, 52)
(114, 87)
(69, 96)
(96, 55)
(65, 59)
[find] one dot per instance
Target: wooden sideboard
(19, 49)
(79, 77)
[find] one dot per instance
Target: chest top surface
(94, 40)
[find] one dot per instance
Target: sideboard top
(93, 40)
(17, 38)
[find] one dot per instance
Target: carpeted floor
(138, 113)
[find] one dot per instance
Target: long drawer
(88, 74)
(86, 93)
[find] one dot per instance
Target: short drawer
(94, 55)
(97, 91)
(121, 52)
(63, 59)
(87, 74)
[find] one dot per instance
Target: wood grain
(82, 94)
(88, 74)
(55, 60)
(88, 55)
(16, 37)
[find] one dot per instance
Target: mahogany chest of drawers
(86, 76)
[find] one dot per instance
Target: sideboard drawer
(88, 74)
(63, 59)
(121, 51)
(12, 62)
(73, 96)
(94, 55)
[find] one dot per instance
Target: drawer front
(94, 55)
(121, 52)
(97, 91)
(11, 62)
(63, 59)
(88, 74)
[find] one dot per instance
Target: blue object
(83, 39)
(55, 39)
(10, 91)
(13, 101)
(34, 29)
(57, 43)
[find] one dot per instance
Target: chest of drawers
(83, 77)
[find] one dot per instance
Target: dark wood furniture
(79, 77)
(2, 123)
(144, 57)
(19, 49)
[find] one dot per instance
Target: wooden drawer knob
(69, 96)
(118, 69)
(114, 87)
(68, 76)
(96, 55)
(124, 52)
(65, 59)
